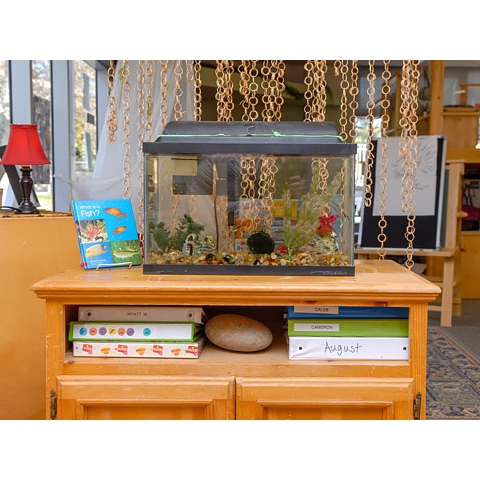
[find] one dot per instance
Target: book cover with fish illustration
(107, 233)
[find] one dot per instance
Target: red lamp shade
(24, 147)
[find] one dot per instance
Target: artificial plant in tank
(313, 206)
(166, 241)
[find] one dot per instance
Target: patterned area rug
(453, 379)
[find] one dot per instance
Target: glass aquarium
(253, 198)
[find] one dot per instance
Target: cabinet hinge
(53, 404)
(417, 406)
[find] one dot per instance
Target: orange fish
(115, 212)
(119, 230)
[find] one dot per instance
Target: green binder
(344, 327)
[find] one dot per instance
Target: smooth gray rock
(238, 333)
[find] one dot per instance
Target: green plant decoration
(305, 230)
(186, 227)
(166, 241)
(160, 234)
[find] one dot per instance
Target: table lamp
(24, 148)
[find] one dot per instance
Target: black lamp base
(26, 184)
(27, 207)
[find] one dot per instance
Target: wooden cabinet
(222, 384)
(140, 397)
(460, 125)
(470, 262)
(31, 247)
(308, 398)
(470, 239)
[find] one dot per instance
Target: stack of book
(346, 332)
(138, 331)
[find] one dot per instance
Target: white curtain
(108, 179)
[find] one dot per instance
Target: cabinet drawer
(324, 398)
(101, 397)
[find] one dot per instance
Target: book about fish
(336, 311)
(107, 233)
(134, 332)
(340, 348)
(140, 313)
(140, 350)
(342, 327)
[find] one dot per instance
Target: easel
(449, 281)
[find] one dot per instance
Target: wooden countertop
(384, 282)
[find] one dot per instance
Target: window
(4, 113)
(62, 98)
(42, 117)
(85, 110)
(4, 102)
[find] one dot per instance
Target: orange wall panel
(31, 248)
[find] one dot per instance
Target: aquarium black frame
(275, 138)
(226, 269)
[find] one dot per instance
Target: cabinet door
(324, 399)
(145, 398)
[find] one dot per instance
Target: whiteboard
(428, 198)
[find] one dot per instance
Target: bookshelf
(231, 385)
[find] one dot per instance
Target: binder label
(316, 327)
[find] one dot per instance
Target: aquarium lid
(275, 138)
